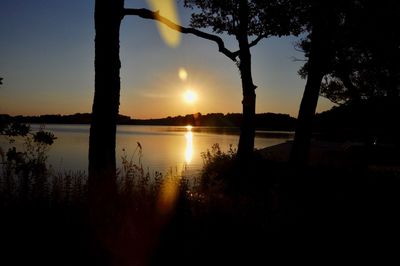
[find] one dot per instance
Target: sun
(189, 96)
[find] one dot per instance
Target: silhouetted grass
(264, 209)
(233, 214)
(47, 216)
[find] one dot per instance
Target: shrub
(218, 168)
(25, 174)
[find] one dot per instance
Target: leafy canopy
(265, 18)
(364, 47)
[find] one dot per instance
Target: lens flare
(182, 74)
(168, 194)
(168, 9)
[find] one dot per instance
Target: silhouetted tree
(323, 21)
(102, 165)
(244, 20)
(353, 51)
(367, 61)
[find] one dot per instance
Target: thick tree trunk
(302, 140)
(247, 128)
(102, 165)
(317, 61)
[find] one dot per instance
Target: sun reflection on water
(189, 144)
(169, 188)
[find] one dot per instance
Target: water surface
(163, 147)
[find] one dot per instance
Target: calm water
(164, 147)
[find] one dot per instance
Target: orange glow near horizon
(164, 95)
(168, 9)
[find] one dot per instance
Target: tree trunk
(247, 128)
(302, 140)
(318, 58)
(102, 165)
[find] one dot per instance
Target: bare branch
(296, 59)
(298, 49)
(147, 14)
(257, 40)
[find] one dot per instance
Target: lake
(163, 147)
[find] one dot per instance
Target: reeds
(158, 217)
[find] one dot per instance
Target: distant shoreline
(264, 121)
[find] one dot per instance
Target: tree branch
(147, 14)
(295, 59)
(257, 40)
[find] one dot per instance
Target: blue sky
(47, 55)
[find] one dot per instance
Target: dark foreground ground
(261, 214)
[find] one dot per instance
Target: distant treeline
(364, 120)
(267, 121)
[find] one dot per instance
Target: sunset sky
(47, 62)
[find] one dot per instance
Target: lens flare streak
(168, 9)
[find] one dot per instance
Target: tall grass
(159, 219)
(26, 177)
(43, 206)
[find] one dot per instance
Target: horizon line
(133, 118)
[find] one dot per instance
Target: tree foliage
(352, 50)
(323, 21)
(265, 18)
(365, 46)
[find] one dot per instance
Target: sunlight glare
(190, 96)
(167, 9)
(189, 144)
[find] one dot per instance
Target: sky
(47, 62)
